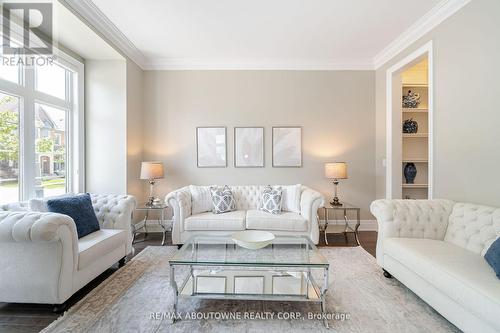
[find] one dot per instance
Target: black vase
(410, 172)
(410, 126)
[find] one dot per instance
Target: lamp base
(335, 202)
(150, 201)
(151, 197)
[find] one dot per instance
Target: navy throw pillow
(79, 208)
(492, 256)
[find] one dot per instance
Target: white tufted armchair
(43, 261)
(436, 248)
(302, 222)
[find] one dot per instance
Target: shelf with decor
(415, 85)
(415, 185)
(415, 135)
(415, 110)
(415, 160)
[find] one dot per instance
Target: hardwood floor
(24, 318)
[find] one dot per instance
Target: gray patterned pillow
(270, 200)
(222, 200)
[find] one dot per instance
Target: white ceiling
(264, 34)
(71, 32)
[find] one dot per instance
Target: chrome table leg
(161, 222)
(323, 296)
(357, 227)
(326, 226)
(173, 284)
(346, 221)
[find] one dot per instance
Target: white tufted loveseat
(246, 216)
(43, 261)
(436, 248)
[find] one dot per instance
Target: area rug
(138, 298)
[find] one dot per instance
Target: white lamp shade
(152, 170)
(336, 170)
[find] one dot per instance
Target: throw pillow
(270, 200)
(291, 197)
(201, 199)
(222, 200)
(40, 205)
(79, 208)
(492, 256)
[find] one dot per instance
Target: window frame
(74, 105)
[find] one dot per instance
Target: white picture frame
(287, 147)
(211, 147)
(249, 147)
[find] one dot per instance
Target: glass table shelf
(283, 251)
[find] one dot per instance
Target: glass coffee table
(289, 269)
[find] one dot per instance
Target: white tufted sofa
(246, 215)
(43, 261)
(436, 248)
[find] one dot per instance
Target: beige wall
(335, 109)
(114, 127)
(466, 105)
(135, 115)
(105, 126)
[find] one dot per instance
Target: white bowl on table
(253, 239)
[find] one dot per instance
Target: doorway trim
(424, 49)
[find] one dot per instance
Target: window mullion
(69, 135)
(29, 165)
(50, 100)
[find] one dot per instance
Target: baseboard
(365, 225)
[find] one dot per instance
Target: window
(9, 73)
(9, 147)
(51, 80)
(40, 130)
(50, 151)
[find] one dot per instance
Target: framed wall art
(287, 147)
(249, 147)
(211, 147)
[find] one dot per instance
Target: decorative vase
(410, 173)
(410, 126)
(411, 100)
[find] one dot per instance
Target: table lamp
(336, 171)
(151, 171)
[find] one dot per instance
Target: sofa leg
(179, 246)
(60, 308)
(121, 262)
(387, 274)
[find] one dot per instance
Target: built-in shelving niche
(416, 146)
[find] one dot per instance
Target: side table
(136, 228)
(341, 228)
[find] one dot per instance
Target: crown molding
(102, 25)
(426, 23)
(256, 64)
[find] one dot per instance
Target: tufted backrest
(412, 218)
(473, 227)
(247, 196)
(19, 226)
(15, 207)
(112, 209)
